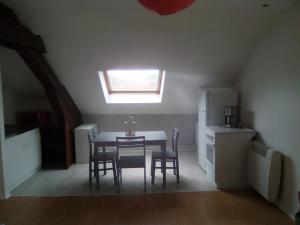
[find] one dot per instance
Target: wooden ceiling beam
(44, 73)
(13, 34)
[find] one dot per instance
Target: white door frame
(4, 193)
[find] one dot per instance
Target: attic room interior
(149, 112)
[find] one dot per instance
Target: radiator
(264, 170)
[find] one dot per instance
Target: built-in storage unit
(211, 112)
(22, 157)
(81, 142)
(226, 153)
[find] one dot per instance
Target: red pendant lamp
(166, 7)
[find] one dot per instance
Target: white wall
(270, 94)
(185, 123)
(17, 76)
(35, 105)
(2, 142)
(22, 157)
(22, 92)
(11, 103)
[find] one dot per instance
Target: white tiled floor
(74, 181)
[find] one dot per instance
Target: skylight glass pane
(134, 80)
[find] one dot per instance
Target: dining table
(152, 138)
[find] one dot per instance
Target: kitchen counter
(222, 129)
(226, 153)
(13, 130)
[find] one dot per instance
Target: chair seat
(157, 154)
(131, 162)
(105, 156)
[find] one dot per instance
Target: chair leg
(153, 171)
(145, 178)
(177, 170)
(121, 176)
(93, 173)
(104, 167)
(114, 172)
(118, 174)
(90, 173)
(104, 163)
(93, 165)
(96, 171)
(174, 166)
(152, 166)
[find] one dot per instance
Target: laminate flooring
(189, 208)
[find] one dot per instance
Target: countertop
(222, 129)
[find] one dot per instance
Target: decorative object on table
(130, 126)
(166, 7)
(125, 124)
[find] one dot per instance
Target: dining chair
(171, 156)
(94, 132)
(102, 158)
(136, 143)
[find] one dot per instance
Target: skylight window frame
(110, 91)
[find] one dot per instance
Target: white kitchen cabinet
(227, 151)
(201, 128)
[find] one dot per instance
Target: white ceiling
(205, 45)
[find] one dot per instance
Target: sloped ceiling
(17, 77)
(205, 45)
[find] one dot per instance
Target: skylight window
(136, 81)
(132, 86)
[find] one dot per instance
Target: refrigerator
(211, 112)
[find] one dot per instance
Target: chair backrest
(91, 135)
(92, 132)
(131, 142)
(175, 137)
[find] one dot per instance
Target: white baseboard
(291, 215)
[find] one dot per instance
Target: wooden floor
(198, 208)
